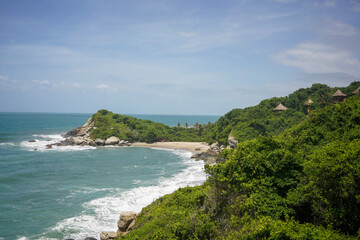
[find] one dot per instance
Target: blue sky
(171, 57)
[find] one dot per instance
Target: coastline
(193, 147)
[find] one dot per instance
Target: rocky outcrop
(83, 131)
(108, 235)
(99, 142)
(112, 141)
(232, 142)
(126, 222)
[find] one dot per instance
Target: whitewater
(78, 191)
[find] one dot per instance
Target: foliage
(124, 127)
(250, 122)
(302, 183)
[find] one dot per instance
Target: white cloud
(104, 86)
(338, 28)
(319, 58)
(43, 82)
(188, 34)
(76, 84)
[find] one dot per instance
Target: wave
(7, 144)
(42, 140)
(101, 214)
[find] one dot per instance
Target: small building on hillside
(280, 107)
(357, 91)
(307, 104)
(339, 96)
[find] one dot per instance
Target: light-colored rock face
(112, 141)
(100, 142)
(108, 235)
(125, 220)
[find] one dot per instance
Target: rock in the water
(32, 140)
(49, 146)
(125, 220)
(90, 238)
(108, 235)
(112, 141)
(99, 142)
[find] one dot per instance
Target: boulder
(79, 141)
(126, 218)
(49, 146)
(122, 142)
(90, 238)
(214, 145)
(232, 142)
(132, 224)
(108, 235)
(32, 140)
(112, 141)
(99, 142)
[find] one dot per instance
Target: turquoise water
(77, 192)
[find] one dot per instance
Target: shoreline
(193, 147)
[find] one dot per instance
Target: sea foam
(41, 140)
(101, 214)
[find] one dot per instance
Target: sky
(201, 57)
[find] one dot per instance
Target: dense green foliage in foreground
(300, 184)
(132, 129)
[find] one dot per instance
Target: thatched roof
(356, 91)
(280, 107)
(308, 102)
(338, 93)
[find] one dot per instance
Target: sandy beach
(194, 147)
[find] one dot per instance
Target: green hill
(250, 122)
(300, 184)
(109, 124)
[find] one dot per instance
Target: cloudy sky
(171, 57)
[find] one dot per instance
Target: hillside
(250, 122)
(107, 124)
(300, 184)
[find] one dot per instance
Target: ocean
(79, 191)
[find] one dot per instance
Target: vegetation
(108, 124)
(302, 183)
(250, 122)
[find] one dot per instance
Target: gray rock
(112, 141)
(90, 238)
(214, 145)
(125, 220)
(99, 142)
(232, 142)
(49, 146)
(32, 140)
(132, 224)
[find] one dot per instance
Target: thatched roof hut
(308, 102)
(280, 107)
(356, 91)
(339, 96)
